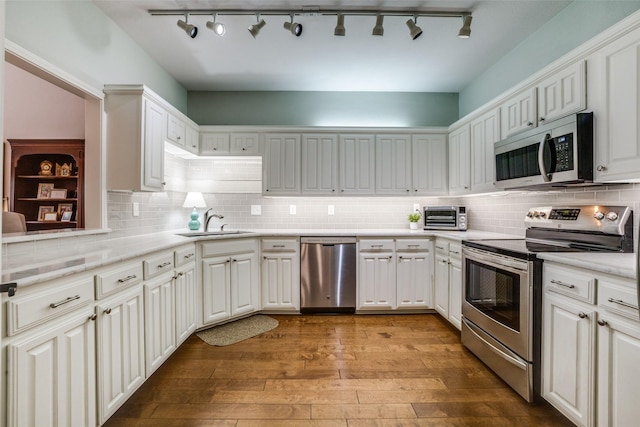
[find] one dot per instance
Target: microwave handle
(545, 175)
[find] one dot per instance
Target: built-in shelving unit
(47, 182)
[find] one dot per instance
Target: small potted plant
(413, 218)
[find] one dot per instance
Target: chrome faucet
(207, 217)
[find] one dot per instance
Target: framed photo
(50, 216)
(42, 210)
(63, 169)
(66, 216)
(64, 207)
(59, 193)
(44, 190)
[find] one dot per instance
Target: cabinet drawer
(156, 265)
(377, 245)
(414, 245)
(442, 247)
(570, 282)
(618, 299)
(280, 245)
(228, 247)
(185, 255)
(455, 250)
(123, 276)
(31, 310)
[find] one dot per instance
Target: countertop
(623, 265)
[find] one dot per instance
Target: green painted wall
(573, 26)
(392, 109)
(79, 39)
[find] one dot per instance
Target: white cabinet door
(563, 93)
(429, 164)
(376, 281)
(192, 143)
(185, 299)
(216, 289)
(244, 144)
(212, 144)
(281, 281)
(357, 164)
(614, 95)
(459, 162)
(176, 131)
(51, 375)
(618, 371)
(245, 285)
(393, 164)
(160, 326)
(414, 284)
(567, 360)
(441, 286)
(519, 113)
(320, 164)
(120, 350)
(281, 164)
(485, 132)
(455, 292)
(155, 117)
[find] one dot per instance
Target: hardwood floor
(325, 370)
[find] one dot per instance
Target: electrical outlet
(416, 207)
(292, 209)
(256, 209)
(136, 209)
(331, 210)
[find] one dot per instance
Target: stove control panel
(605, 219)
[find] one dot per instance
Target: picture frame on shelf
(43, 210)
(50, 216)
(44, 190)
(66, 216)
(64, 207)
(64, 169)
(59, 193)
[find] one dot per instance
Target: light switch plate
(331, 210)
(136, 209)
(256, 209)
(292, 209)
(416, 207)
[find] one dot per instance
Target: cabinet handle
(63, 302)
(601, 168)
(623, 303)
(189, 255)
(559, 283)
(603, 322)
(277, 246)
(455, 252)
(376, 246)
(583, 315)
(126, 279)
(440, 247)
(529, 124)
(93, 317)
(541, 119)
(408, 190)
(243, 148)
(163, 265)
(163, 183)
(414, 246)
(108, 310)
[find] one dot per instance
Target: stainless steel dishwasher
(327, 274)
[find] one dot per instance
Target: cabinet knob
(529, 124)
(93, 317)
(601, 168)
(108, 310)
(583, 315)
(243, 148)
(603, 322)
(541, 119)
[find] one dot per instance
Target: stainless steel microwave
(445, 218)
(557, 154)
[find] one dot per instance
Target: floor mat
(237, 331)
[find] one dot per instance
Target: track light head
(217, 27)
(293, 27)
(414, 30)
(255, 28)
(378, 30)
(340, 30)
(465, 30)
(191, 30)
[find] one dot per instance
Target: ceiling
(438, 61)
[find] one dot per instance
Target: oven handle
(514, 361)
(505, 263)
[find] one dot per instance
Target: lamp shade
(194, 199)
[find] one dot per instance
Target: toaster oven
(445, 218)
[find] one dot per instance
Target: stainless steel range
(502, 284)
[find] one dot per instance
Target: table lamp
(195, 199)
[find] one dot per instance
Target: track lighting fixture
(414, 30)
(465, 30)
(293, 27)
(255, 28)
(216, 27)
(191, 30)
(340, 30)
(378, 30)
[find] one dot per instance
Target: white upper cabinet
(563, 93)
(229, 143)
(244, 144)
(212, 144)
(459, 162)
(485, 132)
(192, 144)
(429, 163)
(281, 164)
(176, 130)
(320, 164)
(519, 112)
(393, 164)
(614, 87)
(357, 164)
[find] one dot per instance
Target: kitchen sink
(211, 233)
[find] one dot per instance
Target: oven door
(497, 297)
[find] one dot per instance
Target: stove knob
(542, 214)
(529, 214)
(536, 214)
(612, 216)
(599, 216)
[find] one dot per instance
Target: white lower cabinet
(590, 369)
(281, 274)
(414, 274)
(51, 374)
(185, 301)
(448, 281)
(159, 321)
(120, 347)
(376, 275)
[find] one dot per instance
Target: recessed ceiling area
(317, 60)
